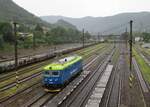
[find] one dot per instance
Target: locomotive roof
(63, 63)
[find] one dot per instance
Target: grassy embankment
(144, 67)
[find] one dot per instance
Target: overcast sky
(81, 8)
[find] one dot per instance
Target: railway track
(23, 62)
(26, 78)
(35, 66)
(38, 54)
(112, 91)
(140, 77)
(145, 86)
(44, 100)
(143, 54)
(45, 97)
(104, 93)
(131, 94)
(68, 96)
(23, 80)
(112, 99)
(40, 96)
(22, 71)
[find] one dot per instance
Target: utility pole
(131, 77)
(98, 37)
(130, 42)
(15, 45)
(83, 38)
(16, 53)
(126, 37)
(34, 44)
(114, 43)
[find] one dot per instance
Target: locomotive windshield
(47, 72)
(55, 73)
(52, 73)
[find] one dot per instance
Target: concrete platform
(99, 90)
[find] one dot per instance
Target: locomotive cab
(52, 79)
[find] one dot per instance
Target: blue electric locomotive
(57, 74)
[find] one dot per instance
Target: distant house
(45, 29)
(25, 34)
(102, 40)
(137, 39)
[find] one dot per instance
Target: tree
(1, 42)
(23, 28)
(37, 36)
(87, 35)
(38, 28)
(146, 37)
(6, 30)
(58, 35)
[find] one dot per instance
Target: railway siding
(10, 64)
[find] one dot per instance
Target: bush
(1, 42)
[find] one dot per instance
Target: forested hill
(64, 24)
(100, 24)
(10, 11)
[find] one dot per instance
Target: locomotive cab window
(55, 73)
(47, 72)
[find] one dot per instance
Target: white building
(137, 39)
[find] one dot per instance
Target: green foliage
(7, 47)
(57, 35)
(146, 37)
(1, 42)
(64, 24)
(23, 28)
(87, 35)
(27, 43)
(9, 11)
(62, 32)
(61, 35)
(38, 28)
(38, 36)
(6, 31)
